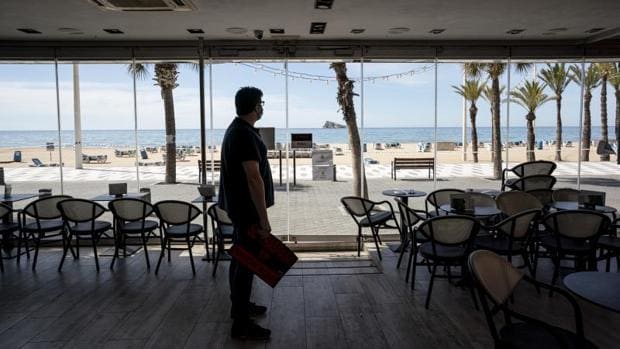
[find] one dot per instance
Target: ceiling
(549, 20)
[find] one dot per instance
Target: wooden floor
(339, 303)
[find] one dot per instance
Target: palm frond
(471, 90)
(530, 96)
(590, 79)
(557, 77)
(141, 70)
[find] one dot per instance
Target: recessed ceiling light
(276, 31)
(557, 30)
(113, 31)
(196, 31)
(594, 30)
(68, 30)
(515, 31)
(323, 4)
(357, 31)
(76, 33)
(437, 31)
(549, 33)
(317, 27)
(236, 30)
(398, 30)
(29, 31)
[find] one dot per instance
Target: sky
(28, 97)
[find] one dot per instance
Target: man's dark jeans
(241, 278)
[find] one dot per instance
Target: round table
(479, 211)
(490, 192)
(596, 287)
(573, 205)
(404, 195)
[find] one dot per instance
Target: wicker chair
(6, 229)
(437, 198)
(223, 231)
(411, 219)
(533, 182)
(525, 169)
(566, 194)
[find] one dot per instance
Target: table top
(489, 192)
(401, 193)
(596, 287)
(204, 199)
(108, 197)
(574, 205)
(17, 197)
(479, 211)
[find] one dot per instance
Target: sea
(191, 137)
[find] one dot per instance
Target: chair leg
(19, 246)
(115, 254)
(403, 247)
(191, 257)
(169, 249)
(449, 271)
(374, 236)
(556, 272)
(93, 240)
(413, 267)
(161, 255)
(216, 257)
(77, 247)
(430, 287)
(37, 242)
(1, 262)
(359, 240)
(65, 248)
(146, 252)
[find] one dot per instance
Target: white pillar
(464, 130)
(77, 116)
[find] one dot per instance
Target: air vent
(145, 5)
(29, 31)
(236, 30)
(437, 31)
(196, 31)
(594, 30)
(357, 31)
(318, 27)
(113, 31)
(323, 4)
(276, 31)
(515, 31)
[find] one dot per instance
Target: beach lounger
(38, 163)
(339, 151)
(379, 146)
(100, 159)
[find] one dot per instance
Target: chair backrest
(4, 210)
(439, 197)
(144, 155)
(37, 162)
(408, 215)
(518, 226)
(450, 230)
(481, 199)
(80, 210)
(566, 194)
(534, 182)
(130, 210)
(577, 224)
(495, 276)
(45, 208)
(540, 167)
(513, 202)
(357, 206)
(544, 196)
(219, 215)
(176, 212)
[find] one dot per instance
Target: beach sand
(516, 154)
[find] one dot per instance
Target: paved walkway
(304, 172)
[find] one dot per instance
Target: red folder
(270, 263)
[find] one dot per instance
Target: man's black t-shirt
(242, 142)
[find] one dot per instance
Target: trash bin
(17, 156)
(539, 145)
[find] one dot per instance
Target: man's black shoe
(249, 331)
(256, 310)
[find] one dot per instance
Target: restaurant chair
(513, 202)
(437, 198)
(573, 236)
(533, 182)
(47, 225)
(512, 237)
(6, 229)
(130, 221)
(410, 220)
(80, 219)
(544, 196)
(496, 280)
(525, 169)
(610, 246)
(223, 232)
(176, 225)
(369, 214)
(566, 194)
(450, 240)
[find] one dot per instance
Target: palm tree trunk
(531, 137)
(604, 133)
(474, 134)
(558, 129)
(345, 101)
(497, 141)
(171, 147)
(587, 124)
(618, 126)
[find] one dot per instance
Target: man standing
(246, 190)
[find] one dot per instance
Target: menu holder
(461, 203)
(270, 263)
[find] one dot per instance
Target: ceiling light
(68, 30)
(276, 31)
(29, 31)
(317, 27)
(398, 30)
(437, 31)
(549, 33)
(357, 31)
(323, 4)
(196, 31)
(557, 30)
(515, 31)
(594, 30)
(236, 30)
(113, 31)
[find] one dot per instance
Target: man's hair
(246, 99)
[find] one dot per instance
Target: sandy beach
(516, 154)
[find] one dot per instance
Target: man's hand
(264, 229)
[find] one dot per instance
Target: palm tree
(530, 96)
(604, 70)
(166, 75)
(345, 101)
(493, 72)
(589, 81)
(471, 91)
(614, 80)
(557, 77)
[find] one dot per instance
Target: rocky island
(331, 124)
